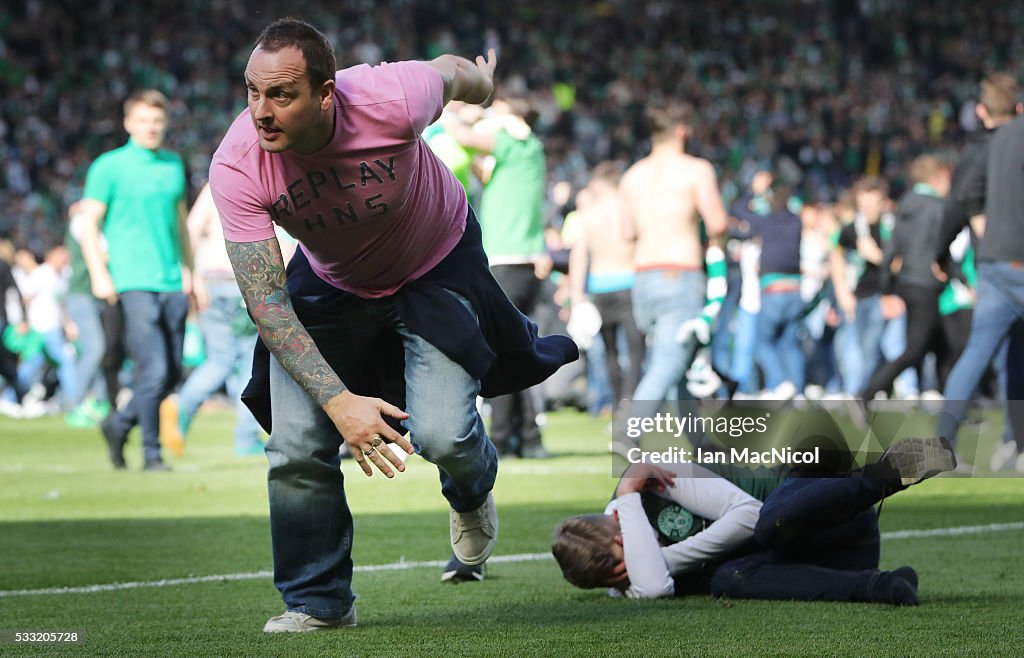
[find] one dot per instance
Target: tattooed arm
(260, 272)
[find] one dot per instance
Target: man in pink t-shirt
(335, 159)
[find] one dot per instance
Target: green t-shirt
(452, 154)
(142, 190)
(79, 283)
(511, 217)
(956, 296)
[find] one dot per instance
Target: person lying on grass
(734, 534)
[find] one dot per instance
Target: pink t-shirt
(373, 209)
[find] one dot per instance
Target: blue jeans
(1000, 305)
(599, 387)
(723, 330)
(55, 349)
(154, 325)
(662, 301)
(858, 344)
(229, 338)
(744, 349)
(778, 339)
(310, 522)
(820, 539)
(84, 310)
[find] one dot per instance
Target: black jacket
(1004, 196)
(966, 192)
(919, 218)
(502, 350)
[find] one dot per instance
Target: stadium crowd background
(821, 93)
(840, 88)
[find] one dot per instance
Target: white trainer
(299, 622)
(1004, 457)
(475, 533)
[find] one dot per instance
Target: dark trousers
(155, 330)
(923, 334)
(616, 309)
(821, 543)
(112, 321)
(9, 366)
(515, 415)
(956, 327)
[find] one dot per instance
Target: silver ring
(368, 452)
(376, 440)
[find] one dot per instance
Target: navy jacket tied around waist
(503, 350)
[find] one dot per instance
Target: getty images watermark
(833, 437)
(690, 425)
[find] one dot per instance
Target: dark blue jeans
(778, 341)
(820, 540)
(1000, 306)
(154, 324)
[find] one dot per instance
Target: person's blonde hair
(582, 548)
(7, 251)
(999, 95)
(925, 167)
(147, 97)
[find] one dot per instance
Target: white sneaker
(10, 409)
(299, 622)
(1004, 457)
(475, 533)
(32, 409)
(785, 391)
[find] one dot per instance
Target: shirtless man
(667, 194)
(601, 264)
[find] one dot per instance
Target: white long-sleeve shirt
(652, 567)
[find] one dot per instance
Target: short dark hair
(321, 64)
(664, 119)
(607, 171)
(871, 184)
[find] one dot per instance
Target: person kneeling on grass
(696, 532)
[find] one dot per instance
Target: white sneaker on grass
(300, 622)
(1005, 456)
(474, 533)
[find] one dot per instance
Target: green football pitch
(177, 564)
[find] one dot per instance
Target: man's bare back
(608, 251)
(666, 194)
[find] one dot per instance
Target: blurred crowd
(834, 99)
(839, 88)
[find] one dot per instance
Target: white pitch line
(252, 575)
(953, 532)
(402, 565)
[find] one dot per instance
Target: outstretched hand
(361, 422)
(486, 67)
